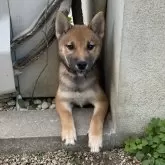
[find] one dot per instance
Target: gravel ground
(61, 157)
(26, 104)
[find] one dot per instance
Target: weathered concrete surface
(29, 131)
(137, 52)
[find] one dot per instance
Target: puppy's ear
(62, 24)
(97, 24)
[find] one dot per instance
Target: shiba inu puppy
(79, 49)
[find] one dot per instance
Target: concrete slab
(135, 57)
(32, 131)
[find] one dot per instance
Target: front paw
(95, 143)
(69, 136)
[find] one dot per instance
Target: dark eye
(90, 46)
(70, 46)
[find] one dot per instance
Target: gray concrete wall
(135, 45)
(113, 41)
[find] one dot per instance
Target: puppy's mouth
(80, 67)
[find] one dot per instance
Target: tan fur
(67, 123)
(79, 35)
(78, 88)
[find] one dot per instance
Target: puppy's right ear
(62, 24)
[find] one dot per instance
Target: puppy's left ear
(97, 24)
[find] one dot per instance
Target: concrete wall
(135, 47)
(113, 42)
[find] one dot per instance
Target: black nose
(81, 65)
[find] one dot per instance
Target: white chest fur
(79, 98)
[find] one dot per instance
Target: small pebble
(54, 161)
(11, 103)
(39, 107)
(45, 105)
(52, 106)
(37, 101)
(10, 109)
(6, 160)
(49, 100)
(23, 109)
(14, 163)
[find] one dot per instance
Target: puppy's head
(79, 45)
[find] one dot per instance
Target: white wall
(7, 84)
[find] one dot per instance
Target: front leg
(96, 126)
(68, 132)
